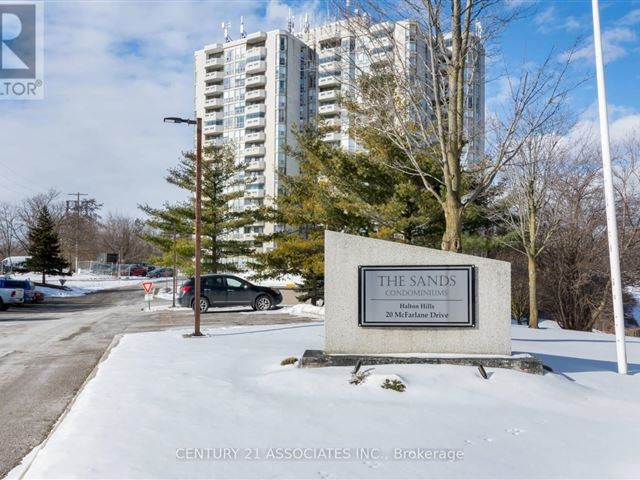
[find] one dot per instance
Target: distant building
(251, 92)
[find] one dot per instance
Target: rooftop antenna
(243, 34)
(225, 27)
(306, 23)
(290, 22)
(348, 8)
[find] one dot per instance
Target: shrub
(289, 361)
(396, 385)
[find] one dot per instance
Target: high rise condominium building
(252, 93)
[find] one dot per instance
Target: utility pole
(77, 195)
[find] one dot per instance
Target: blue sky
(556, 26)
(114, 69)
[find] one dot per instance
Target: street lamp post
(196, 302)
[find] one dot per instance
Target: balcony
(256, 67)
(214, 116)
(256, 137)
(253, 152)
(252, 123)
(256, 53)
(329, 52)
(256, 179)
(329, 34)
(328, 95)
(213, 48)
(214, 102)
(330, 67)
(330, 109)
(255, 81)
(332, 137)
(254, 95)
(214, 143)
(214, 62)
(214, 90)
(255, 166)
(254, 193)
(257, 37)
(213, 129)
(214, 76)
(328, 81)
(333, 122)
(255, 108)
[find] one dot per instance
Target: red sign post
(147, 286)
(147, 290)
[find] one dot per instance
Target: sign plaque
(416, 296)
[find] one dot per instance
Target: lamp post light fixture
(196, 301)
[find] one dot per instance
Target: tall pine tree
(44, 247)
(222, 183)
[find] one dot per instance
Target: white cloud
(631, 18)
(617, 42)
(623, 122)
(112, 71)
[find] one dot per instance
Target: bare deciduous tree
(9, 224)
(532, 214)
(121, 234)
(426, 119)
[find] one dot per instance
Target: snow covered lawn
(165, 406)
(82, 284)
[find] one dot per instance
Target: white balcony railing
(215, 62)
(256, 67)
(256, 137)
(255, 81)
(254, 123)
(328, 81)
(328, 95)
(329, 109)
(214, 90)
(214, 102)
(255, 166)
(253, 152)
(254, 193)
(254, 95)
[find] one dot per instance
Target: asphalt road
(48, 350)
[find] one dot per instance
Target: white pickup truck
(10, 296)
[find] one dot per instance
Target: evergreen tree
(358, 193)
(221, 213)
(44, 246)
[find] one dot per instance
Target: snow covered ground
(166, 406)
(80, 284)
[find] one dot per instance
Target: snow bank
(299, 310)
(80, 284)
(163, 406)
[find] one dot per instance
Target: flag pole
(612, 227)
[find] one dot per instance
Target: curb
(114, 342)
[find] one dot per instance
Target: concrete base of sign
(522, 362)
(344, 253)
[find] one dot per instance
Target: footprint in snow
(488, 439)
(324, 475)
(514, 431)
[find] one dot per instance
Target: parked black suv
(228, 291)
